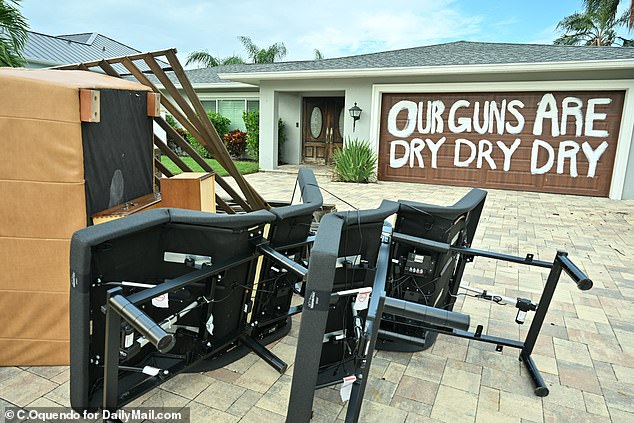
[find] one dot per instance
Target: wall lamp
(355, 113)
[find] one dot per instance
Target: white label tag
(363, 298)
(210, 324)
(151, 371)
(128, 340)
(346, 387)
(162, 301)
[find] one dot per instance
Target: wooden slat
(227, 162)
(115, 59)
(169, 153)
(108, 69)
(165, 171)
(202, 162)
(210, 140)
(223, 205)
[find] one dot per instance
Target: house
(543, 118)
(42, 50)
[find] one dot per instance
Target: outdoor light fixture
(355, 113)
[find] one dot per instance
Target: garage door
(558, 142)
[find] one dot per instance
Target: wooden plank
(89, 106)
(108, 69)
(202, 163)
(161, 167)
(173, 156)
(153, 104)
(228, 164)
(113, 60)
(223, 205)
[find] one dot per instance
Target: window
(210, 106)
(253, 105)
(233, 110)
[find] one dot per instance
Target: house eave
(255, 77)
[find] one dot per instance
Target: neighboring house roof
(66, 49)
(455, 54)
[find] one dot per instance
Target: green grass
(243, 166)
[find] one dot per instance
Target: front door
(322, 129)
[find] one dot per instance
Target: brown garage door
(559, 142)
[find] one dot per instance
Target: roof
(74, 48)
(454, 54)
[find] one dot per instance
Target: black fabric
(472, 203)
(118, 151)
(228, 221)
(438, 286)
(355, 217)
(131, 249)
(321, 273)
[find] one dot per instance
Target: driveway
(585, 350)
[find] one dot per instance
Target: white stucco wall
(283, 98)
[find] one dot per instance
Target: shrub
(252, 123)
(356, 162)
(220, 122)
(236, 142)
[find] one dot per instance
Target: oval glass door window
(315, 122)
(342, 115)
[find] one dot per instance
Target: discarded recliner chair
(170, 290)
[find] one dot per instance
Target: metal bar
(264, 353)
(506, 342)
(372, 325)
(266, 250)
(400, 337)
(182, 281)
(542, 309)
(443, 247)
(427, 315)
(583, 282)
(161, 167)
(308, 241)
(111, 355)
(541, 389)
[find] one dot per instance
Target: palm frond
(203, 58)
(13, 34)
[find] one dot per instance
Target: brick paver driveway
(585, 351)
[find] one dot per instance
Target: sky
(336, 28)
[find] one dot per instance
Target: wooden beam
(173, 156)
(108, 69)
(165, 171)
(182, 143)
(112, 60)
(229, 166)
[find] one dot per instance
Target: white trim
(593, 65)
(627, 117)
(228, 96)
(214, 85)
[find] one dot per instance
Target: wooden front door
(322, 128)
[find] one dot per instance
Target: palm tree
(13, 34)
(612, 6)
(205, 59)
(595, 26)
(261, 55)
